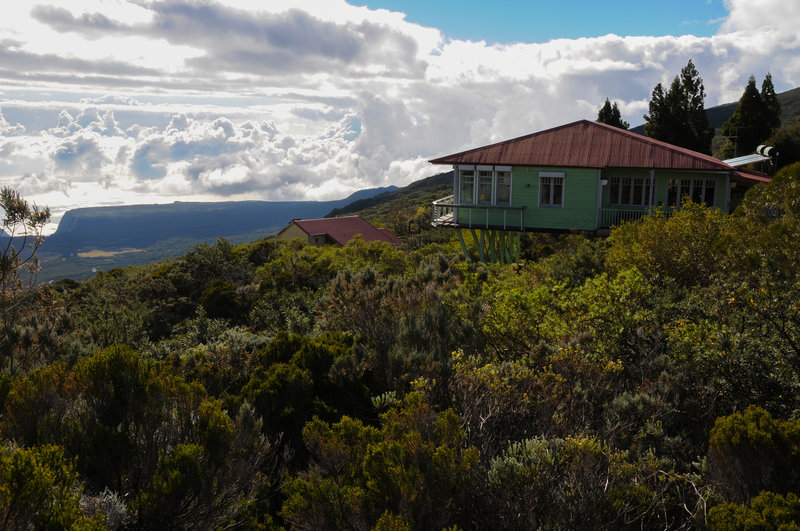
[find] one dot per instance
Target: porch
(611, 216)
(446, 213)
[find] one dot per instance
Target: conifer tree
(745, 128)
(609, 114)
(772, 106)
(755, 118)
(678, 116)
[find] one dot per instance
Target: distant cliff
(101, 238)
(141, 226)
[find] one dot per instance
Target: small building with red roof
(584, 175)
(337, 231)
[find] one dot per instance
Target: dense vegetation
(646, 380)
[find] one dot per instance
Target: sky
(111, 102)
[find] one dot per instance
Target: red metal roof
(588, 144)
(747, 176)
(341, 230)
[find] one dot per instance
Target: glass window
(467, 185)
(673, 193)
(613, 194)
(638, 192)
(503, 188)
(484, 186)
(551, 191)
(697, 191)
(625, 196)
(708, 195)
(629, 191)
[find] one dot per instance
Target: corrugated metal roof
(746, 176)
(341, 230)
(587, 144)
(745, 160)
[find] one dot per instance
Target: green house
(584, 176)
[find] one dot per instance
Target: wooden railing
(442, 212)
(447, 213)
(611, 217)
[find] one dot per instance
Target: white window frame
(688, 186)
(485, 180)
(632, 182)
(494, 173)
(505, 175)
(553, 178)
(461, 170)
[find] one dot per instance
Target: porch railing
(446, 212)
(610, 217)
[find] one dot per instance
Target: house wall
(580, 198)
(662, 178)
(720, 195)
(579, 209)
(293, 231)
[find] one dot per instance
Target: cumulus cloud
(287, 101)
(113, 99)
(30, 184)
(7, 129)
(80, 156)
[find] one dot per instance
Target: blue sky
(508, 21)
(106, 102)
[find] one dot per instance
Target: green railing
(447, 213)
(611, 216)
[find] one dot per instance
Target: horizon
(119, 103)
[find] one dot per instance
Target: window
(503, 190)
(698, 190)
(551, 189)
(487, 185)
(629, 191)
(467, 185)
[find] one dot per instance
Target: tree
(20, 238)
(787, 141)
(771, 104)
(753, 120)
(40, 489)
(678, 116)
(610, 115)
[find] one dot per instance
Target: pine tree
(609, 114)
(744, 129)
(755, 119)
(678, 116)
(700, 132)
(772, 106)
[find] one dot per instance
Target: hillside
(93, 239)
(420, 194)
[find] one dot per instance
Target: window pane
(697, 191)
(545, 191)
(708, 196)
(467, 185)
(626, 191)
(484, 186)
(672, 193)
(686, 190)
(638, 191)
(558, 190)
(503, 187)
(613, 194)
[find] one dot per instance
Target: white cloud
(7, 129)
(298, 99)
